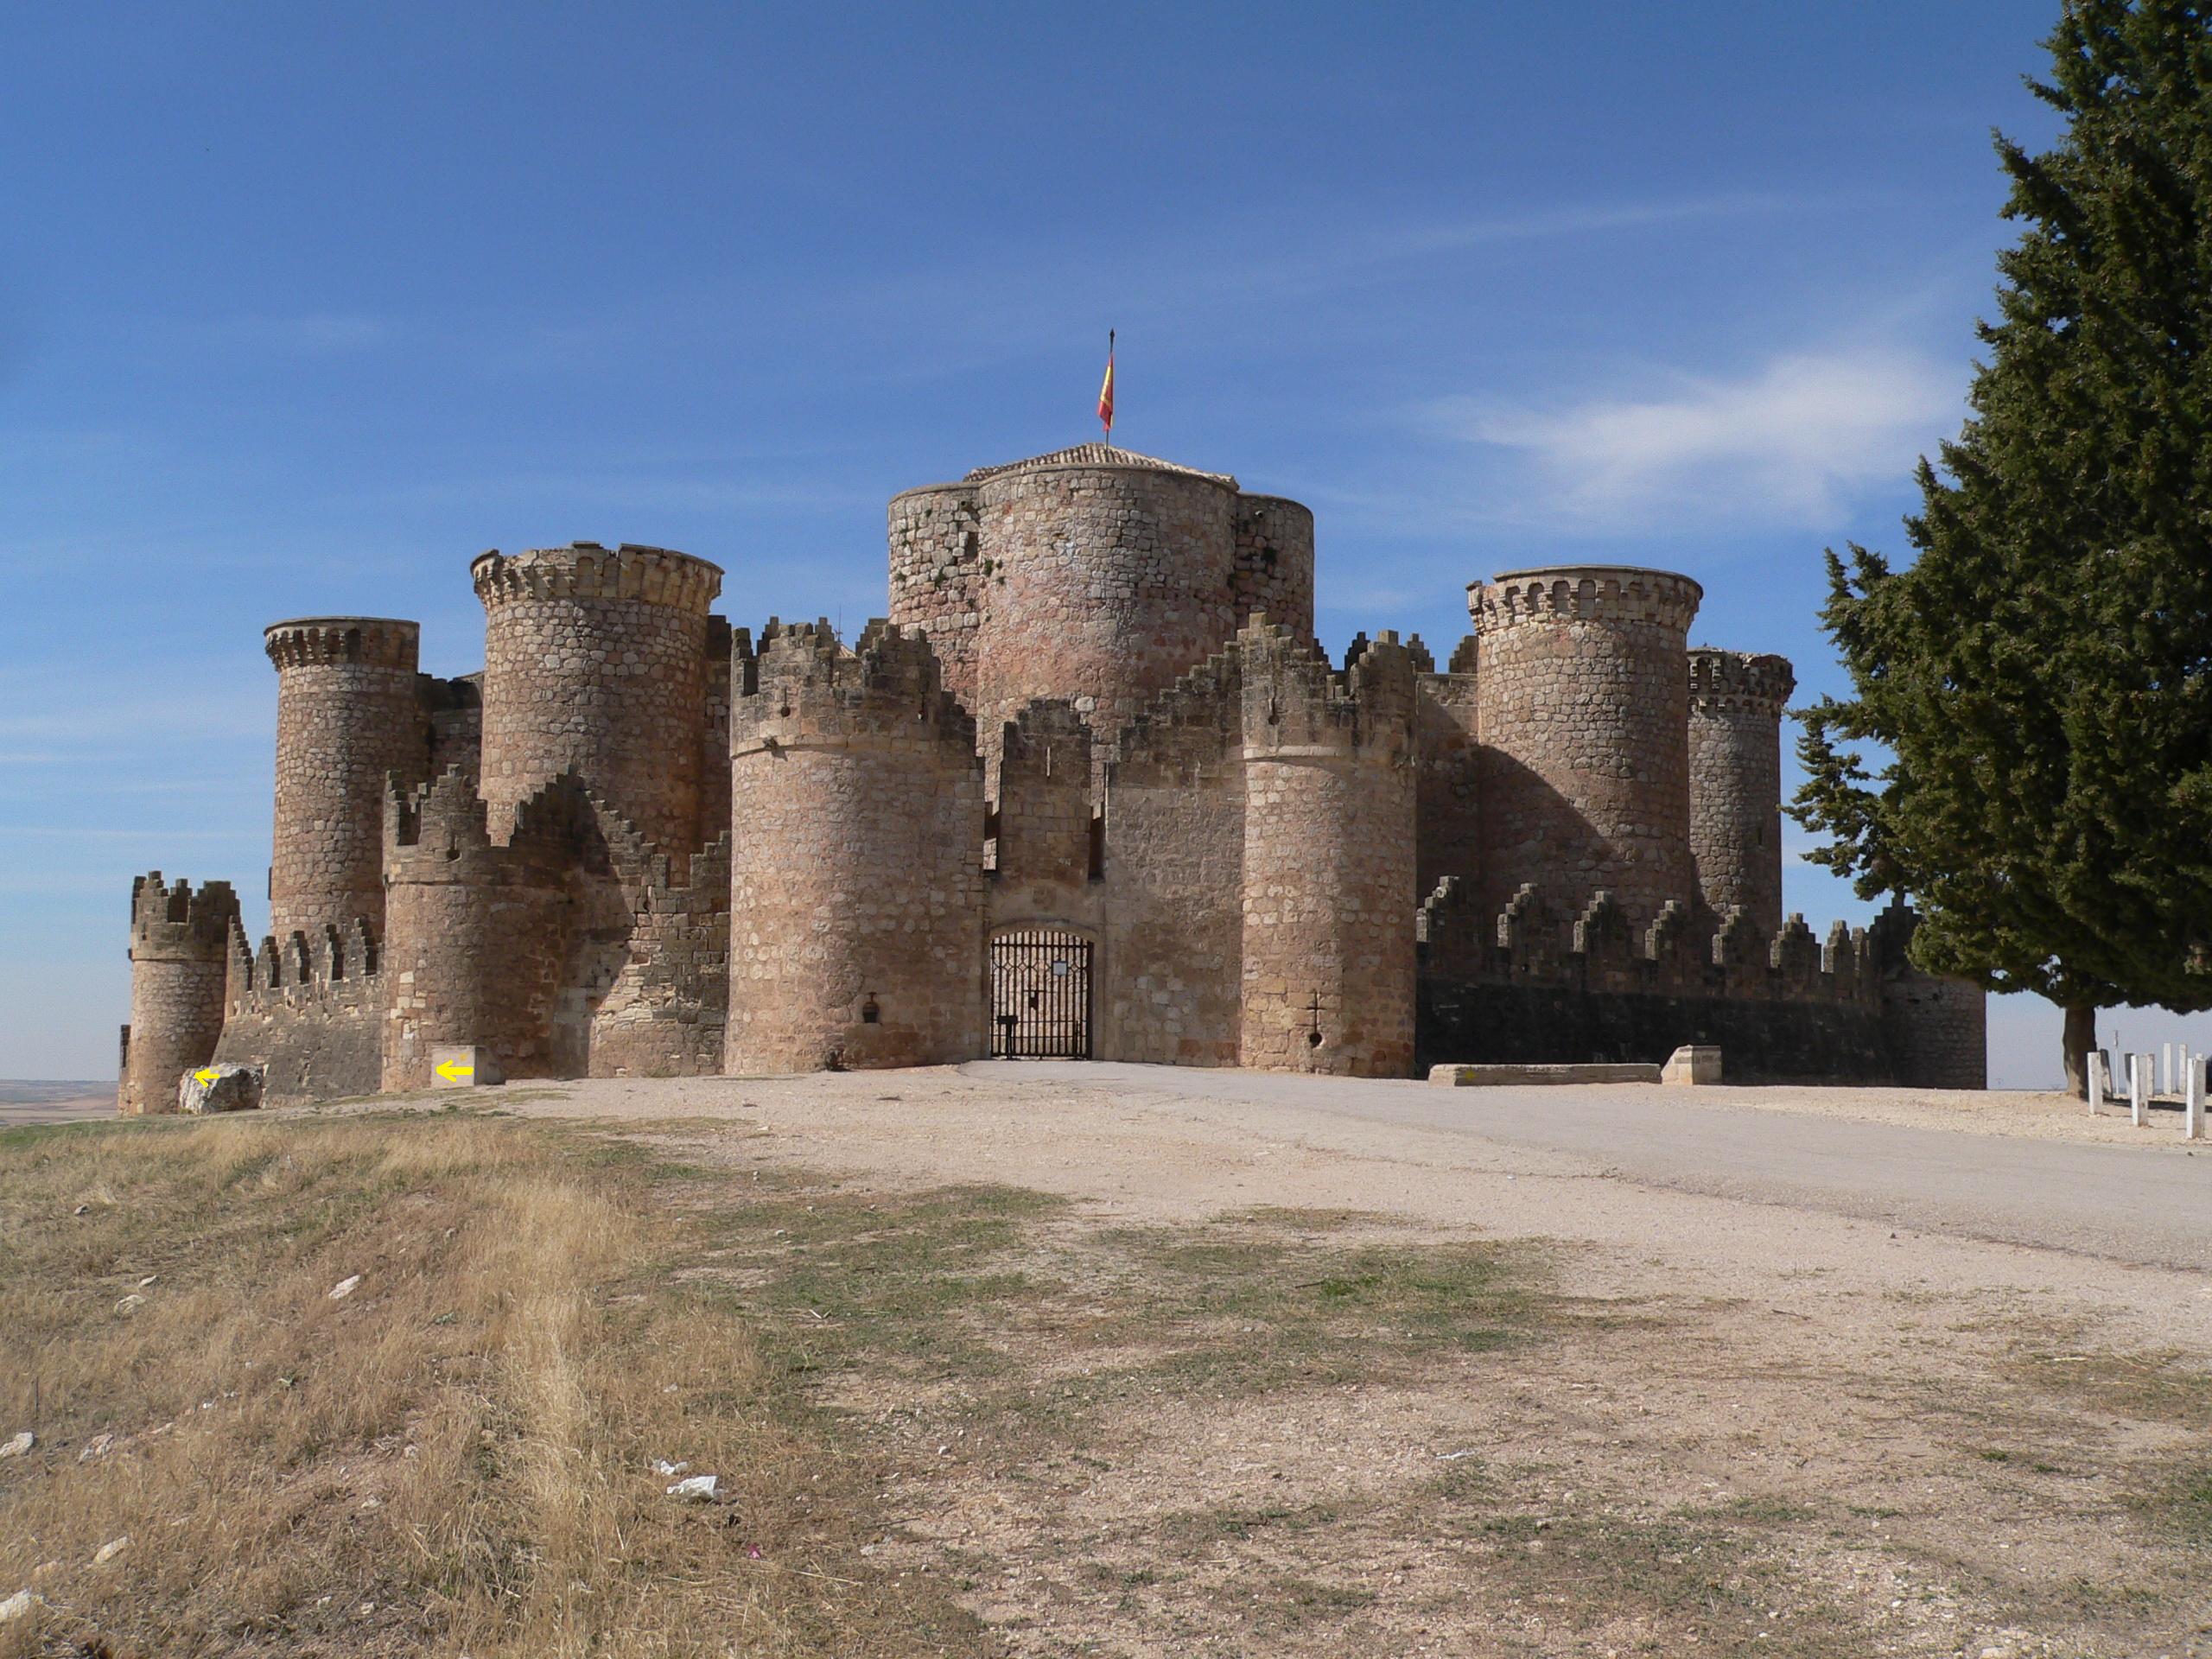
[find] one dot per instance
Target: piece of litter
(662, 1467)
(698, 1488)
(108, 1551)
(754, 1551)
(21, 1444)
(131, 1304)
(1454, 1457)
(18, 1604)
(345, 1287)
(97, 1446)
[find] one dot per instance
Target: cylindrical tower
(937, 586)
(179, 955)
(595, 660)
(1274, 563)
(856, 908)
(1105, 576)
(1328, 938)
(348, 715)
(1736, 702)
(1582, 692)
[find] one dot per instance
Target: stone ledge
(1487, 1077)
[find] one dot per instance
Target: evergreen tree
(2041, 675)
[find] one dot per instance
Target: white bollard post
(2165, 1068)
(2096, 1082)
(2138, 1089)
(2192, 1103)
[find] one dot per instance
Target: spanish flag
(1106, 391)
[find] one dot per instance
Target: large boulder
(220, 1089)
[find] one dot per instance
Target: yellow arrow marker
(453, 1073)
(208, 1076)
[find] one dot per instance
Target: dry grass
(456, 1457)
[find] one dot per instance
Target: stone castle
(1091, 791)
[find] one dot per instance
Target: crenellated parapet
(1294, 702)
(1188, 732)
(1619, 595)
(628, 573)
(1753, 682)
(329, 641)
(804, 689)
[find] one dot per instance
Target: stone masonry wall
(1107, 581)
(1449, 816)
(1937, 1029)
(667, 1011)
(1329, 862)
(938, 578)
(309, 1014)
(856, 901)
(1582, 684)
(179, 942)
(1169, 976)
(348, 715)
(1735, 732)
(594, 661)
(453, 710)
(1274, 576)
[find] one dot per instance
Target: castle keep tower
(179, 958)
(1582, 687)
(1110, 576)
(346, 715)
(1328, 889)
(857, 907)
(1736, 702)
(594, 660)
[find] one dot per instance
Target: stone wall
(179, 944)
(1274, 574)
(1170, 973)
(1447, 714)
(1937, 1029)
(594, 662)
(1735, 730)
(348, 715)
(310, 1015)
(453, 710)
(1582, 678)
(496, 945)
(856, 901)
(1106, 582)
(937, 579)
(1328, 879)
(667, 1011)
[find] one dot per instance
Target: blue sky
(301, 308)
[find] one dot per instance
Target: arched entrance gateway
(1040, 995)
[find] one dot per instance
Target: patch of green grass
(2180, 1503)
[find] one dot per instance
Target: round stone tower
(1736, 702)
(346, 717)
(179, 955)
(856, 885)
(594, 660)
(1582, 702)
(936, 576)
(1104, 574)
(1328, 880)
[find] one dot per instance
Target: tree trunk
(2081, 1038)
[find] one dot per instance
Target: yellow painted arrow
(208, 1076)
(452, 1072)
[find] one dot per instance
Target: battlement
(1294, 701)
(321, 641)
(1188, 727)
(445, 817)
(585, 570)
(803, 687)
(176, 920)
(1532, 941)
(1751, 682)
(327, 956)
(1594, 592)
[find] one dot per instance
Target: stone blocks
(1698, 1062)
(219, 1088)
(1491, 1076)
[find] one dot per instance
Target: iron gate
(1040, 996)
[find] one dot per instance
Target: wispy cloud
(1791, 442)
